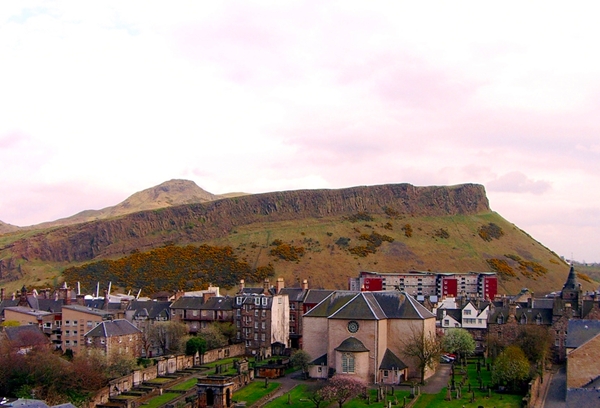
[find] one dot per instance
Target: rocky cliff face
(202, 221)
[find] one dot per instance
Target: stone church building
(363, 333)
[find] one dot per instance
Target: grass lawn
(186, 385)
(159, 380)
(224, 361)
(359, 402)
(254, 391)
(298, 398)
(481, 397)
(161, 399)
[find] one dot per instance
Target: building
(115, 338)
(78, 320)
(23, 338)
(583, 372)
(479, 284)
(362, 334)
(301, 300)
(198, 311)
(262, 319)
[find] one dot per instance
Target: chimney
(512, 310)
(80, 300)
(207, 295)
(179, 294)
(305, 284)
(241, 286)
(266, 286)
(2, 294)
(279, 285)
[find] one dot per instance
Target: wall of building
(582, 364)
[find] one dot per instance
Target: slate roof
(331, 304)
(391, 361)
(352, 345)
(112, 328)
(294, 294)
(188, 302)
(370, 306)
(456, 314)
(218, 303)
(320, 360)
(149, 308)
(583, 397)
(23, 336)
(315, 296)
(29, 311)
(581, 331)
(91, 310)
(23, 402)
(530, 314)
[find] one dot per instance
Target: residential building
(78, 320)
(262, 319)
(427, 284)
(23, 338)
(115, 338)
(583, 372)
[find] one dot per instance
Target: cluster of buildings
(360, 330)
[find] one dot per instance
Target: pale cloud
(100, 100)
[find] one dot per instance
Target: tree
(511, 368)
(535, 341)
(459, 341)
(300, 358)
(425, 348)
(228, 330)
(213, 336)
(167, 335)
(195, 345)
(314, 394)
(341, 388)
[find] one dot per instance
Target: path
(438, 381)
(557, 390)
(287, 383)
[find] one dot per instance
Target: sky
(99, 100)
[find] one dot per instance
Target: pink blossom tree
(341, 388)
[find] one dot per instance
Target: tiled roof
(111, 328)
(352, 345)
(391, 361)
(90, 310)
(320, 360)
(362, 307)
(399, 305)
(315, 296)
(331, 304)
(456, 314)
(22, 336)
(295, 294)
(580, 331)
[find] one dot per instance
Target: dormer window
(238, 300)
(500, 319)
(257, 301)
(264, 301)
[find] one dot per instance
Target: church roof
(370, 306)
(391, 361)
(571, 283)
(352, 345)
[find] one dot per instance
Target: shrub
(442, 233)
(360, 216)
(407, 230)
(287, 252)
(391, 212)
(343, 241)
(501, 267)
(490, 231)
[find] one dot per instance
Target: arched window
(347, 363)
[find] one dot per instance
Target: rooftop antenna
(78, 288)
(138, 295)
(97, 290)
(109, 286)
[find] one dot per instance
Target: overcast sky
(99, 100)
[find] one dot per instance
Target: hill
(325, 236)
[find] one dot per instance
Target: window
(280, 301)
(256, 325)
(292, 306)
(264, 301)
(467, 312)
(194, 313)
(237, 323)
(257, 301)
(256, 313)
(102, 341)
(255, 336)
(89, 323)
(238, 312)
(238, 300)
(292, 330)
(292, 318)
(67, 322)
(264, 313)
(385, 373)
(262, 337)
(47, 325)
(264, 325)
(446, 322)
(347, 363)
(67, 333)
(74, 322)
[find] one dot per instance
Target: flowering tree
(341, 388)
(511, 368)
(459, 341)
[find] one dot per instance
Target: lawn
(161, 400)
(254, 391)
(481, 397)
(186, 385)
(297, 398)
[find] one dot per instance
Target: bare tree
(425, 348)
(168, 335)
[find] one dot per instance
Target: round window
(352, 326)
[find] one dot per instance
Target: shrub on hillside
(501, 267)
(407, 230)
(287, 252)
(490, 231)
(360, 216)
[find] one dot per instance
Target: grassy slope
(326, 264)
